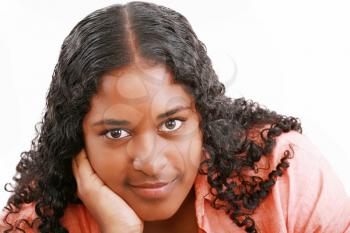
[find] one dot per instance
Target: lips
(151, 185)
(154, 191)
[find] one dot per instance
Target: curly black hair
(115, 36)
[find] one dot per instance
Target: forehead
(137, 90)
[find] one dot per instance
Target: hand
(110, 211)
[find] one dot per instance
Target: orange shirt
(307, 198)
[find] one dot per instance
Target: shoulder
(309, 196)
(76, 219)
(25, 215)
(308, 172)
(303, 155)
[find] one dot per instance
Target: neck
(184, 220)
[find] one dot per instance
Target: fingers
(76, 164)
(87, 180)
(82, 164)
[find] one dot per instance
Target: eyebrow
(116, 122)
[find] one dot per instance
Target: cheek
(108, 163)
(191, 152)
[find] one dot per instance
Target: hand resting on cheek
(110, 211)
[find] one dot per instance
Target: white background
(290, 56)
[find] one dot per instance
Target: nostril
(150, 167)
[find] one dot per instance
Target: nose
(151, 166)
(149, 155)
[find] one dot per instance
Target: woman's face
(143, 128)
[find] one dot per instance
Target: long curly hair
(115, 36)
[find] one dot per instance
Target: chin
(157, 214)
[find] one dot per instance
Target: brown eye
(115, 133)
(171, 125)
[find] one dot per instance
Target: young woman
(138, 136)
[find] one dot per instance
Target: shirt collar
(202, 193)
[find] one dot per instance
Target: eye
(115, 133)
(172, 124)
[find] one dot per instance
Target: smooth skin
(148, 146)
(102, 202)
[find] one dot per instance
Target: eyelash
(105, 132)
